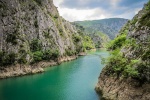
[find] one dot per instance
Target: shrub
(131, 42)
(47, 55)
(118, 42)
(88, 43)
(116, 59)
(11, 58)
(121, 66)
(22, 60)
(7, 59)
(39, 2)
(129, 70)
(50, 54)
(37, 56)
(145, 19)
(70, 52)
(36, 23)
(46, 34)
(76, 38)
(35, 45)
(133, 22)
(56, 16)
(61, 32)
(1, 58)
(146, 54)
(143, 69)
(148, 6)
(55, 53)
(12, 38)
(98, 44)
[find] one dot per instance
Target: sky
(79, 10)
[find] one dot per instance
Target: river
(74, 80)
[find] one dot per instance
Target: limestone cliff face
(112, 88)
(127, 73)
(25, 20)
(30, 26)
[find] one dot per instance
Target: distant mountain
(98, 38)
(109, 26)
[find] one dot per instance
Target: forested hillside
(109, 27)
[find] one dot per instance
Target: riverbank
(73, 80)
(113, 88)
(21, 70)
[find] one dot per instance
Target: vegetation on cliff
(130, 50)
(101, 31)
(33, 31)
(93, 39)
(126, 75)
(87, 41)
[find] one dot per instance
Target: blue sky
(78, 10)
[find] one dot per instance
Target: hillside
(109, 26)
(126, 75)
(98, 39)
(33, 35)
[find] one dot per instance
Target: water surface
(74, 80)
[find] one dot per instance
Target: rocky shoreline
(113, 88)
(126, 75)
(21, 70)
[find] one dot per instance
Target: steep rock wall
(32, 29)
(126, 75)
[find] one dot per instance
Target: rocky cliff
(32, 31)
(126, 75)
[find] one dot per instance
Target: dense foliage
(87, 41)
(129, 57)
(7, 59)
(145, 19)
(39, 55)
(101, 31)
(117, 63)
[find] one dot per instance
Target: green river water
(74, 80)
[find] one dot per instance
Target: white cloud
(114, 3)
(100, 12)
(78, 15)
(129, 13)
(97, 14)
(83, 2)
(57, 2)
